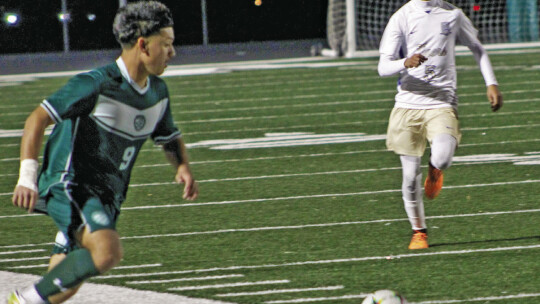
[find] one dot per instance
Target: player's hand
(415, 61)
(495, 97)
(25, 198)
(184, 176)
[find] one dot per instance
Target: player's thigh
(67, 218)
(406, 132)
(442, 121)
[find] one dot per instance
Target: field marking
(363, 122)
(21, 251)
(217, 277)
(259, 200)
(481, 299)
(219, 161)
(466, 160)
(29, 266)
(200, 287)
(391, 92)
(289, 139)
(269, 176)
(138, 266)
(277, 291)
(116, 268)
(24, 259)
(91, 293)
(322, 262)
(305, 300)
(267, 228)
(458, 161)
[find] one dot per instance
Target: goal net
(358, 25)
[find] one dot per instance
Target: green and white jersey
(102, 120)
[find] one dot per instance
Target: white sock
(31, 296)
(411, 190)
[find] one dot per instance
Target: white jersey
(432, 29)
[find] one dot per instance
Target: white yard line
(269, 228)
(360, 296)
(278, 291)
(259, 200)
(92, 293)
(307, 226)
(322, 262)
(200, 287)
(21, 251)
(307, 300)
(217, 277)
(483, 299)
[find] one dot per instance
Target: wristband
(28, 174)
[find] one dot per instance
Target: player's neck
(136, 70)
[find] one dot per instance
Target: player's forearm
(484, 63)
(34, 129)
(389, 67)
(176, 153)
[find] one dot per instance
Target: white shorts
(408, 129)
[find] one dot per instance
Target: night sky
(229, 21)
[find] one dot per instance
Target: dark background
(229, 21)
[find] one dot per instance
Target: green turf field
(300, 202)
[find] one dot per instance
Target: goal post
(356, 26)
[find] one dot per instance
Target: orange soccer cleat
(419, 241)
(433, 183)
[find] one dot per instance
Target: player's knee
(106, 260)
(441, 162)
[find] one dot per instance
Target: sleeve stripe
(166, 139)
(51, 111)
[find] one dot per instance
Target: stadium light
(64, 17)
(11, 19)
(91, 17)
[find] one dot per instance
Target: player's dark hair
(140, 19)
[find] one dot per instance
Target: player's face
(159, 50)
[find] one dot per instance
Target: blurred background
(39, 35)
(37, 25)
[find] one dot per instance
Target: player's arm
(176, 153)
(390, 62)
(467, 36)
(26, 192)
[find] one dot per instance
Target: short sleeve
(165, 130)
(73, 99)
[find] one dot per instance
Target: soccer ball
(385, 297)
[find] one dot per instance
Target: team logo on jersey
(445, 28)
(139, 122)
(100, 218)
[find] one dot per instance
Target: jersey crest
(127, 121)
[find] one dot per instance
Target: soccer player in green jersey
(102, 118)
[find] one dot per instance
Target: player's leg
(406, 137)
(100, 251)
(412, 199)
(90, 241)
(443, 134)
(63, 296)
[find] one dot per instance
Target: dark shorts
(71, 217)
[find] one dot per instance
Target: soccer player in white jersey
(102, 118)
(418, 45)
